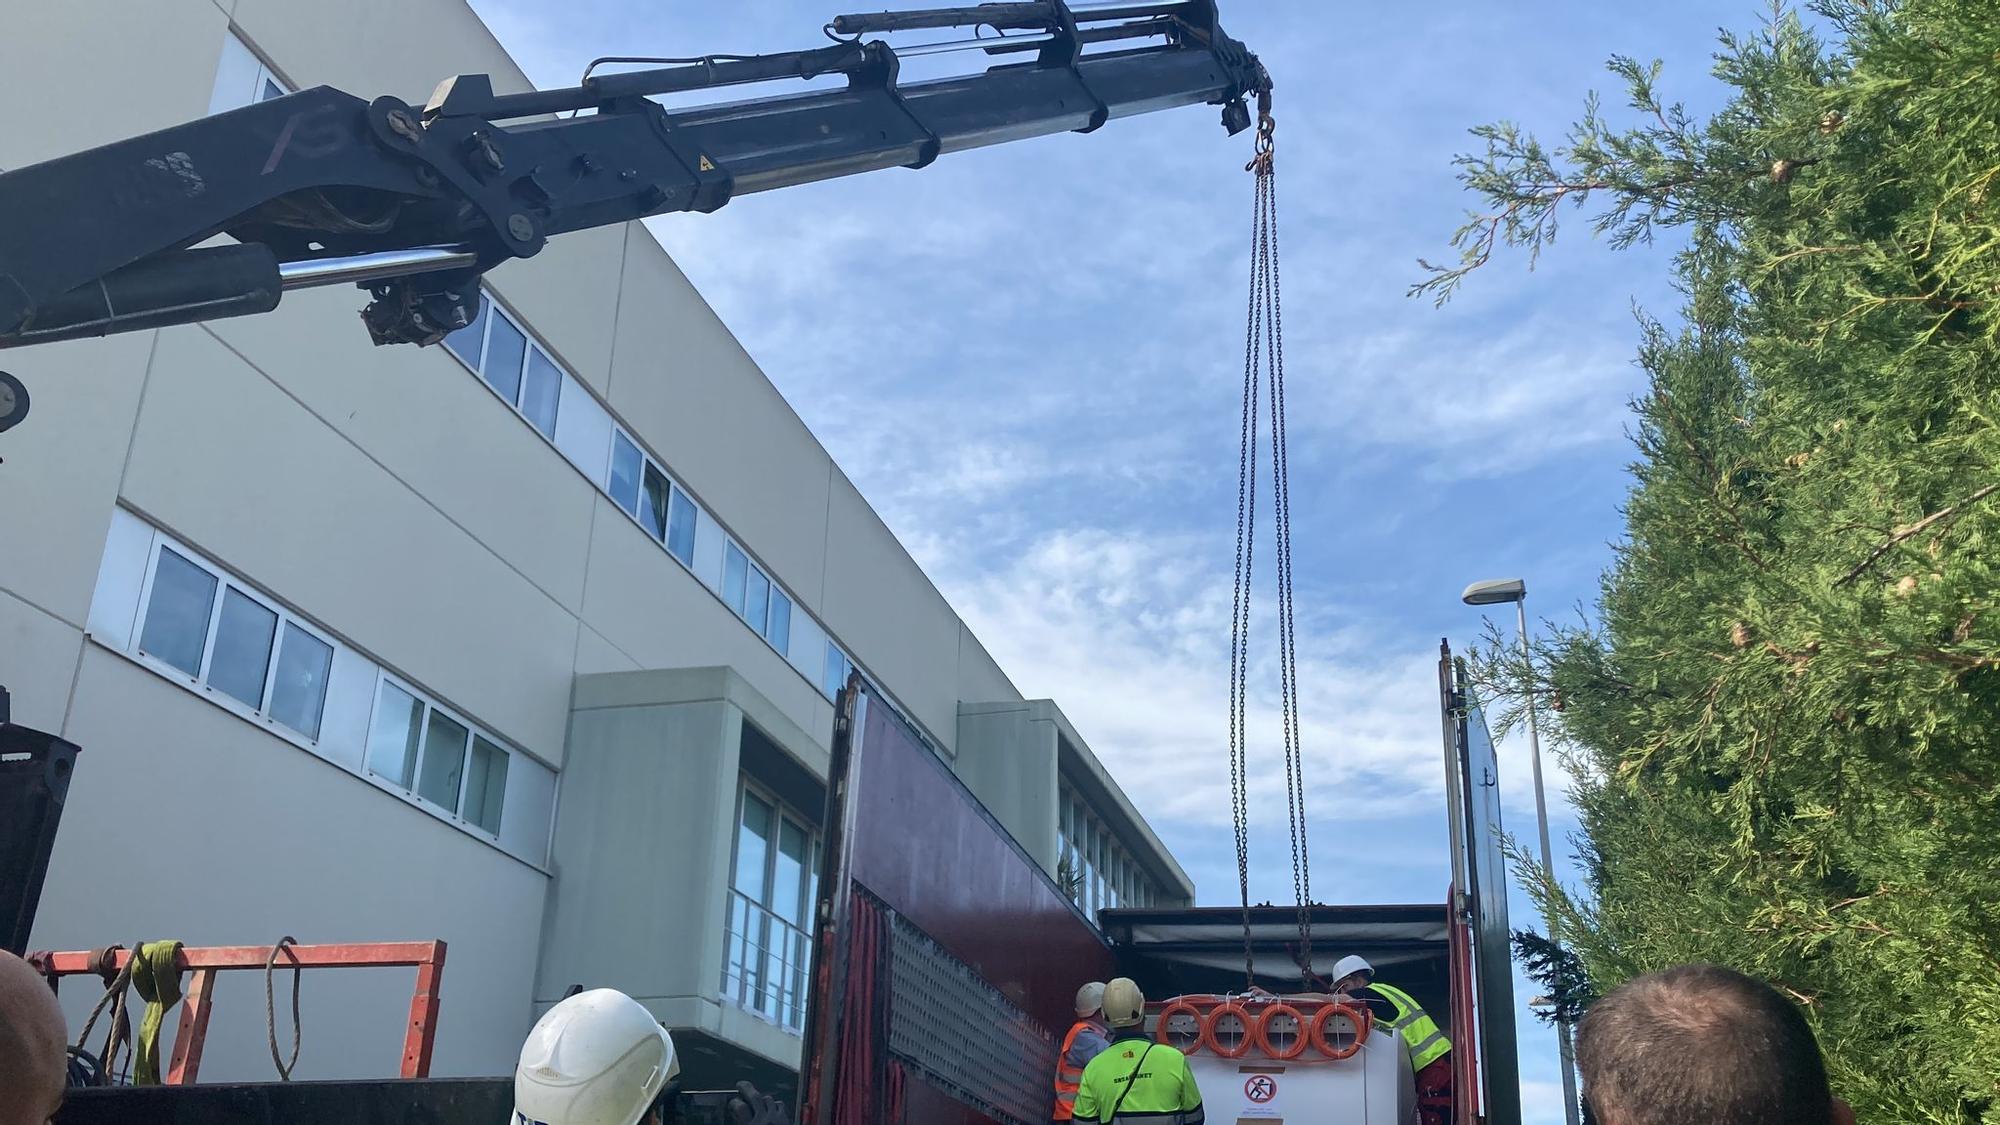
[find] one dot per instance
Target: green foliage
(1069, 879)
(1562, 975)
(1785, 717)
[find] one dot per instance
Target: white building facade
(527, 642)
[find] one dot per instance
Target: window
(837, 667)
(220, 636)
(541, 393)
(780, 631)
(1105, 875)
(757, 601)
(760, 602)
(469, 342)
(768, 940)
(441, 773)
(626, 463)
(242, 657)
(680, 529)
(394, 734)
(177, 615)
(637, 483)
(519, 370)
(735, 577)
(186, 619)
(653, 501)
(506, 349)
(418, 747)
(486, 785)
(298, 692)
(241, 79)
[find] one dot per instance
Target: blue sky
(1029, 357)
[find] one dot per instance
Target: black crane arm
(320, 187)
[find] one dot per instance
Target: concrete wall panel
(888, 615)
(594, 654)
(648, 605)
(980, 678)
(678, 372)
(38, 657)
(271, 492)
(568, 294)
(288, 844)
(374, 47)
(642, 852)
(55, 59)
(1007, 758)
(60, 479)
(434, 426)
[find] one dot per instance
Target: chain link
(1264, 353)
(1288, 633)
(1239, 626)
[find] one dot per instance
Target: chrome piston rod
(311, 273)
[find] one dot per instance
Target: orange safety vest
(1069, 1068)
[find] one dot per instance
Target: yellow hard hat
(1124, 1004)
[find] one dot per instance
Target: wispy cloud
(1028, 358)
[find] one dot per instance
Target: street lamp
(1500, 591)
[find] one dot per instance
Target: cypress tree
(1784, 717)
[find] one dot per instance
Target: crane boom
(416, 203)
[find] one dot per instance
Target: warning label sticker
(1261, 1089)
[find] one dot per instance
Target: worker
(34, 1045)
(596, 1058)
(600, 1058)
(1702, 1043)
(1086, 1039)
(1429, 1050)
(1135, 1080)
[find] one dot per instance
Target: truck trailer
(947, 960)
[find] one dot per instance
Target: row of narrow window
(191, 620)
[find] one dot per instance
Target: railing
(765, 962)
(204, 962)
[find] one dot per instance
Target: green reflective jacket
(1138, 1082)
(1420, 1032)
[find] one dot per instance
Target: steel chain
(1264, 351)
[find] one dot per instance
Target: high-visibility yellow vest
(1138, 1082)
(1421, 1033)
(1084, 1042)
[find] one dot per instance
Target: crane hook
(1267, 130)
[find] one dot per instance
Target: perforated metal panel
(961, 1034)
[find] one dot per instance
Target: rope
(120, 1028)
(271, 1008)
(1264, 355)
(157, 979)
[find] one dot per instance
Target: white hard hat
(1124, 1004)
(1349, 965)
(597, 1058)
(1090, 998)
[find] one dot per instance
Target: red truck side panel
(928, 849)
(954, 959)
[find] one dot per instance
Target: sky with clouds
(1029, 359)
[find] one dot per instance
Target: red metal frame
(1464, 1022)
(205, 961)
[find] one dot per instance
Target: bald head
(34, 1055)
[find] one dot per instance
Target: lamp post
(1499, 592)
